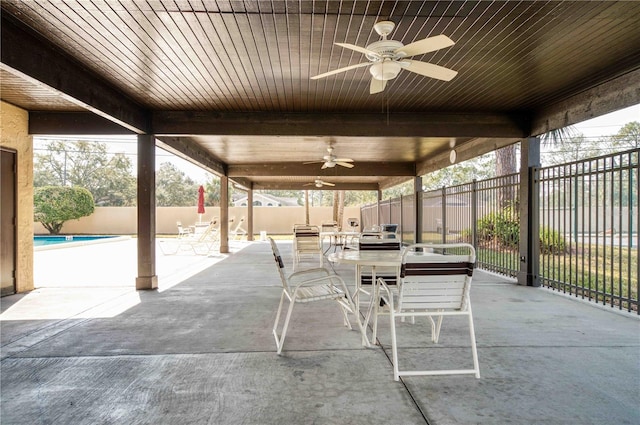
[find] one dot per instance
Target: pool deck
(87, 348)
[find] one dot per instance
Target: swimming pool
(67, 239)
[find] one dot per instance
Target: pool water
(55, 240)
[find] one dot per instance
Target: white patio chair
(431, 286)
(238, 231)
(372, 241)
(200, 244)
(310, 285)
(183, 231)
(306, 241)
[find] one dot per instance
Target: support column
(529, 213)
(417, 191)
(224, 214)
(250, 214)
(378, 208)
(147, 278)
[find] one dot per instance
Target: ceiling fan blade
(338, 71)
(426, 45)
(429, 70)
(377, 86)
(324, 166)
(328, 184)
(358, 49)
(343, 160)
(345, 164)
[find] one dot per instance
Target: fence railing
(589, 229)
(588, 225)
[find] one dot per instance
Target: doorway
(7, 222)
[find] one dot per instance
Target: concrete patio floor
(86, 348)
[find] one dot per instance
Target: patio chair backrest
(436, 282)
(279, 264)
(377, 242)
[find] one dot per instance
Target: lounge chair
(200, 244)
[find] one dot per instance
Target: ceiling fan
(330, 161)
(319, 183)
(387, 58)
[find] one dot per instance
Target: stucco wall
(14, 134)
(122, 220)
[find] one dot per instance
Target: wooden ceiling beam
(432, 124)
(73, 123)
(300, 186)
(465, 151)
(192, 152)
(361, 169)
(28, 55)
(615, 94)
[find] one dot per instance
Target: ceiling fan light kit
(387, 70)
(387, 58)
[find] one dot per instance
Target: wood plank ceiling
(229, 81)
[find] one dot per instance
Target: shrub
(53, 205)
(551, 242)
(502, 227)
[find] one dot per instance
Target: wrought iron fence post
(474, 214)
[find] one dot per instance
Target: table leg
(372, 303)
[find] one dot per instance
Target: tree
(212, 192)
(174, 188)
(53, 205)
(506, 164)
(628, 137)
(87, 164)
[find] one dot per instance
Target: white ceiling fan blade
(338, 71)
(426, 45)
(429, 70)
(328, 184)
(343, 160)
(377, 86)
(324, 166)
(358, 49)
(345, 164)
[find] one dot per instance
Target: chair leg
(356, 313)
(275, 324)
(394, 346)
(346, 321)
(474, 350)
(280, 341)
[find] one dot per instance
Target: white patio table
(338, 238)
(373, 259)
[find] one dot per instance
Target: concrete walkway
(89, 349)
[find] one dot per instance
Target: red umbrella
(201, 201)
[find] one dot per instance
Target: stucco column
(147, 278)
(529, 213)
(224, 214)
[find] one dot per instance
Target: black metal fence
(587, 225)
(589, 229)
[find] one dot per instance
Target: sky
(605, 125)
